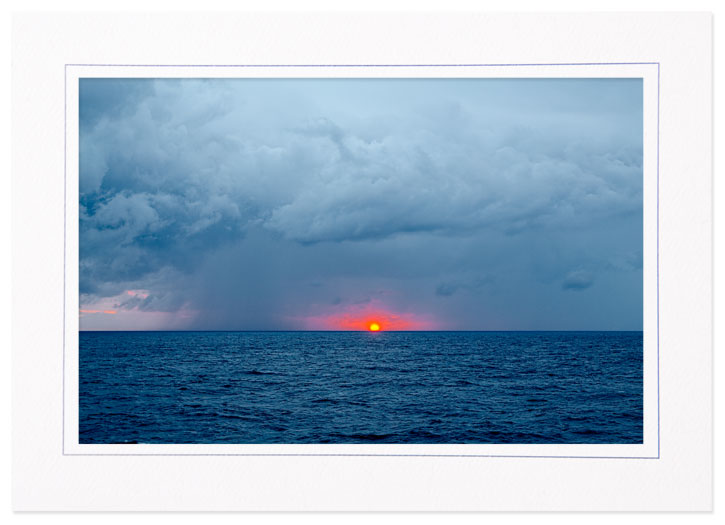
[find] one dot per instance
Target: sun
(374, 327)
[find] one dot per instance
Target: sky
(326, 204)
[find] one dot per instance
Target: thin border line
(65, 225)
(658, 261)
(386, 455)
(65, 129)
(369, 65)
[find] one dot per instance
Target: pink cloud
(113, 313)
(143, 294)
(91, 311)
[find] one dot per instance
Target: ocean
(360, 387)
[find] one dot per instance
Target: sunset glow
(374, 316)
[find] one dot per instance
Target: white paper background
(678, 480)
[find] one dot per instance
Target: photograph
(360, 260)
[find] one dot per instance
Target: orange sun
(374, 327)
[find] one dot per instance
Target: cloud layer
(256, 203)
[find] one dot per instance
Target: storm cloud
(268, 204)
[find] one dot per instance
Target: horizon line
(363, 331)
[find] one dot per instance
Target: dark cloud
(447, 289)
(578, 280)
(109, 98)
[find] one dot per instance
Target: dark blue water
(357, 387)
